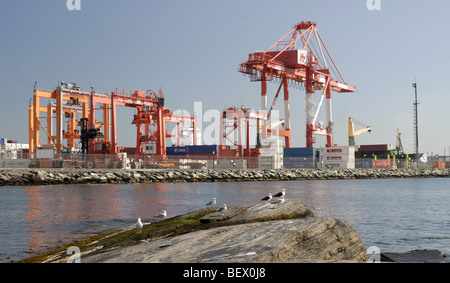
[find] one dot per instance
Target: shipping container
(196, 149)
(439, 164)
(202, 155)
(300, 151)
(338, 150)
(377, 148)
(270, 162)
(271, 151)
(45, 153)
(344, 157)
(367, 164)
(291, 58)
(338, 164)
(381, 164)
(254, 152)
(271, 142)
(228, 152)
(176, 150)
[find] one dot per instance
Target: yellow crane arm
(352, 133)
(275, 124)
(357, 133)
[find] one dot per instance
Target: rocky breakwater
(22, 177)
(264, 233)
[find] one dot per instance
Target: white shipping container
(339, 164)
(45, 153)
(338, 150)
(270, 162)
(271, 143)
(15, 163)
(271, 152)
(338, 158)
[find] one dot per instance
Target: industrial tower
(308, 65)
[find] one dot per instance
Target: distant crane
(352, 133)
(399, 143)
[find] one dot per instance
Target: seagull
(269, 197)
(280, 194)
(223, 208)
(162, 214)
(211, 202)
(139, 225)
(280, 200)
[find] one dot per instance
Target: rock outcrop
(264, 233)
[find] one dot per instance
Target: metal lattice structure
(72, 107)
(300, 58)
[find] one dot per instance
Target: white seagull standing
(281, 194)
(139, 225)
(223, 208)
(162, 215)
(269, 197)
(211, 202)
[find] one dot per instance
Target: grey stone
(295, 240)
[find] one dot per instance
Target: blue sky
(192, 50)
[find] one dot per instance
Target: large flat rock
(295, 240)
(264, 211)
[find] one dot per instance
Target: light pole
(416, 122)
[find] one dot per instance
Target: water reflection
(396, 215)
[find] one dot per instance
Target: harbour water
(396, 215)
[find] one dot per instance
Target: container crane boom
(294, 61)
(352, 133)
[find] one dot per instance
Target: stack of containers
(338, 157)
(299, 157)
(271, 156)
(202, 150)
(176, 150)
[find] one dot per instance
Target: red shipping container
(381, 164)
(373, 148)
(439, 164)
(228, 152)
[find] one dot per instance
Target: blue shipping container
(176, 150)
(300, 151)
(202, 149)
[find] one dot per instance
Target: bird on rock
(223, 208)
(211, 202)
(281, 194)
(139, 225)
(267, 198)
(162, 215)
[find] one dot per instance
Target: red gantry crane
(298, 59)
(68, 101)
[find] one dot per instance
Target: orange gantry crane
(308, 65)
(69, 105)
(233, 121)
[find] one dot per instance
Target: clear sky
(192, 50)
